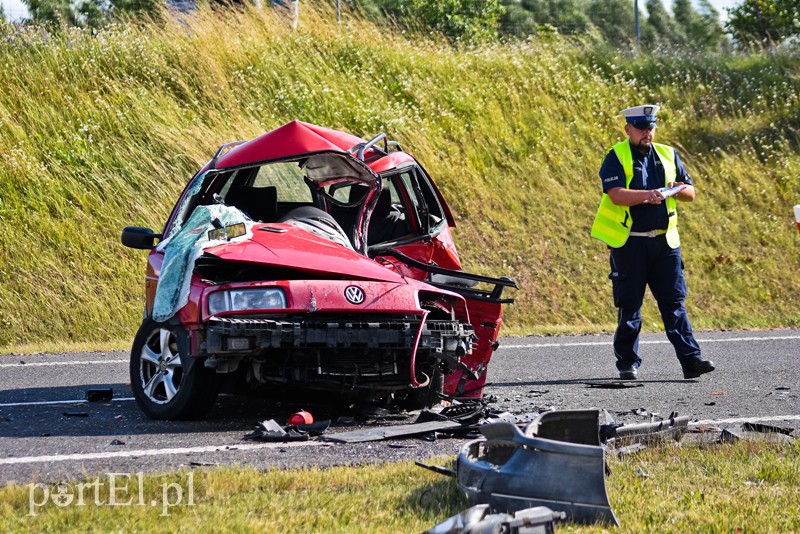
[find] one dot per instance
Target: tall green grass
(101, 130)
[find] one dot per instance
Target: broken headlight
(246, 299)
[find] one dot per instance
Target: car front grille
(346, 350)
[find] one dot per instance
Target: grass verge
(738, 487)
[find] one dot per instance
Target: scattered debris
(641, 474)
(720, 393)
(478, 520)
(782, 388)
(99, 395)
(202, 464)
(613, 384)
(671, 428)
(271, 431)
(76, 414)
(117, 442)
(511, 470)
(437, 469)
(628, 450)
(761, 427)
(756, 432)
(390, 432)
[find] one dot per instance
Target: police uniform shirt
(648, 173)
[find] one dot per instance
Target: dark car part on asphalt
(479, 520)
(99, 394)
(271, 430)
(511, 470)
(309, 259)
(756, 432)
(613, 384)
(393, 432)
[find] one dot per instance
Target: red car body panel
(296, 249)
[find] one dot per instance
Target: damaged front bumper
(565, 471)
(383, 352)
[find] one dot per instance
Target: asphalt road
(48, 432)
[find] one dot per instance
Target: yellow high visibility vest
(612, 224)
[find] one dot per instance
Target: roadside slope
(100, 131)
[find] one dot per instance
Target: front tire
(165, 383)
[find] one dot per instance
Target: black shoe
(628, 372)
(697, 368)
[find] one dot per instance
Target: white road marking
(156, 452)
(654, 342)
(51, 364)
(74, 401)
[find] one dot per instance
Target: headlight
(246, 299)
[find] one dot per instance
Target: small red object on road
(301, 418)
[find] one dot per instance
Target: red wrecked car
(310, 259)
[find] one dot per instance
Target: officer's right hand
(653, 197)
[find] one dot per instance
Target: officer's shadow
(609, 382)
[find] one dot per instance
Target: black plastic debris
(756, 432)
(76, 414)
(99, 395)
(391, 432)
(437, 469)
(761, 427)
(478, 520)
(117, 442)
(317, 428)
(270, 430)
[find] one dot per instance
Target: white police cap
(643, 116)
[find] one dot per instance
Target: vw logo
(354, 294)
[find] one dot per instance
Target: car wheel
(165, 383)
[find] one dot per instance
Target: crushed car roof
(298, 138)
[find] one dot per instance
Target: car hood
(284, 245)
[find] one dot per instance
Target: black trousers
(642, 262)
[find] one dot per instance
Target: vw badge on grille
(354, 294)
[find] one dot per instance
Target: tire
(165, 383)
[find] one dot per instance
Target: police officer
(639, 223)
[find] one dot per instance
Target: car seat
(386, 223)
(258, 203)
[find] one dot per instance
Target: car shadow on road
(43, 412)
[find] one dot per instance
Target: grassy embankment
(100, 131)
(742, 487)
